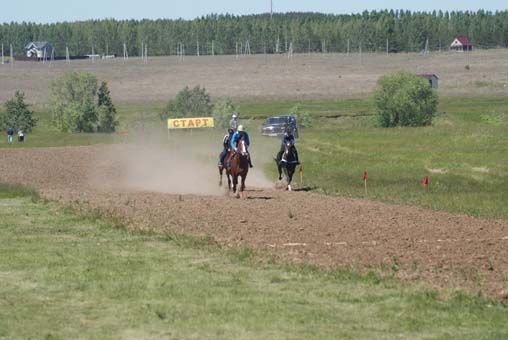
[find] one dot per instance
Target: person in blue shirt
(288, 137)
(226, 145)
(10, 134)
(239, 135)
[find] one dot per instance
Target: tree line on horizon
(370, 31)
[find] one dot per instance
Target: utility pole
(67, 56)
(197, 48)
(3, 59)
(12, 56)
(213, 48)
(348, 47)
(125, 54)
(387, 46)
(271, 9)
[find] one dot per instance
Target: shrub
(303, 118)
(106, 111)
(405, 99)
(188, 103)
(17, 115)
(73, 102)
(222, 112)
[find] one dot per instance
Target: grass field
(64, 276)
(463, 152)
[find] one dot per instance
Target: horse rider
(239, 135)
(233, 123)
(287, 138)
(226, 146)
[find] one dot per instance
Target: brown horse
(239, 167)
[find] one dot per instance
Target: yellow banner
(191, 123)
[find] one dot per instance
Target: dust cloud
(181, 164)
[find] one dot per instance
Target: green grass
(464, 152)
(16, 190)
(69, 277)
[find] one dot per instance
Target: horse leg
(290, 173)
(235, 184)
(286, 174)
(242, 187)
(221, 170)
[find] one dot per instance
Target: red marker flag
(425, 181)
(365, 176)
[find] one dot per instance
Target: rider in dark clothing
(287, 138)
(226, 146)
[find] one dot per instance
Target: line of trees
(405, 31)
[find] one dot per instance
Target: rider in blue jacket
(240, 134)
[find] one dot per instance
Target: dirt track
(435, 248)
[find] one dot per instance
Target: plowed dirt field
(436, 249)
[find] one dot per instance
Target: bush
(17, 115)
(188, 103)
(222, 112)
(73, 102)
(405, 99)
(303, 118)
(106, 111)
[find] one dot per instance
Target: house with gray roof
(39, 50)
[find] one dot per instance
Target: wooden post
(12, 56)
(3, 59)
(365, 179)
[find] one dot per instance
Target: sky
(48, 11)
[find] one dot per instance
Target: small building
(461, 44)
(39, 50)
(432, 79)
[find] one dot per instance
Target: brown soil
(437, 249)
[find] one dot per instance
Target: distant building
(461, 44)
(39, 50)
(432, 79)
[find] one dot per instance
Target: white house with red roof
(461, 44)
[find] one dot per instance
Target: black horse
(287, 164)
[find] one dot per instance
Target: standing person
(226, 146)
(233, 123)
(239, 135)
(10, 134)
(21, 136)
